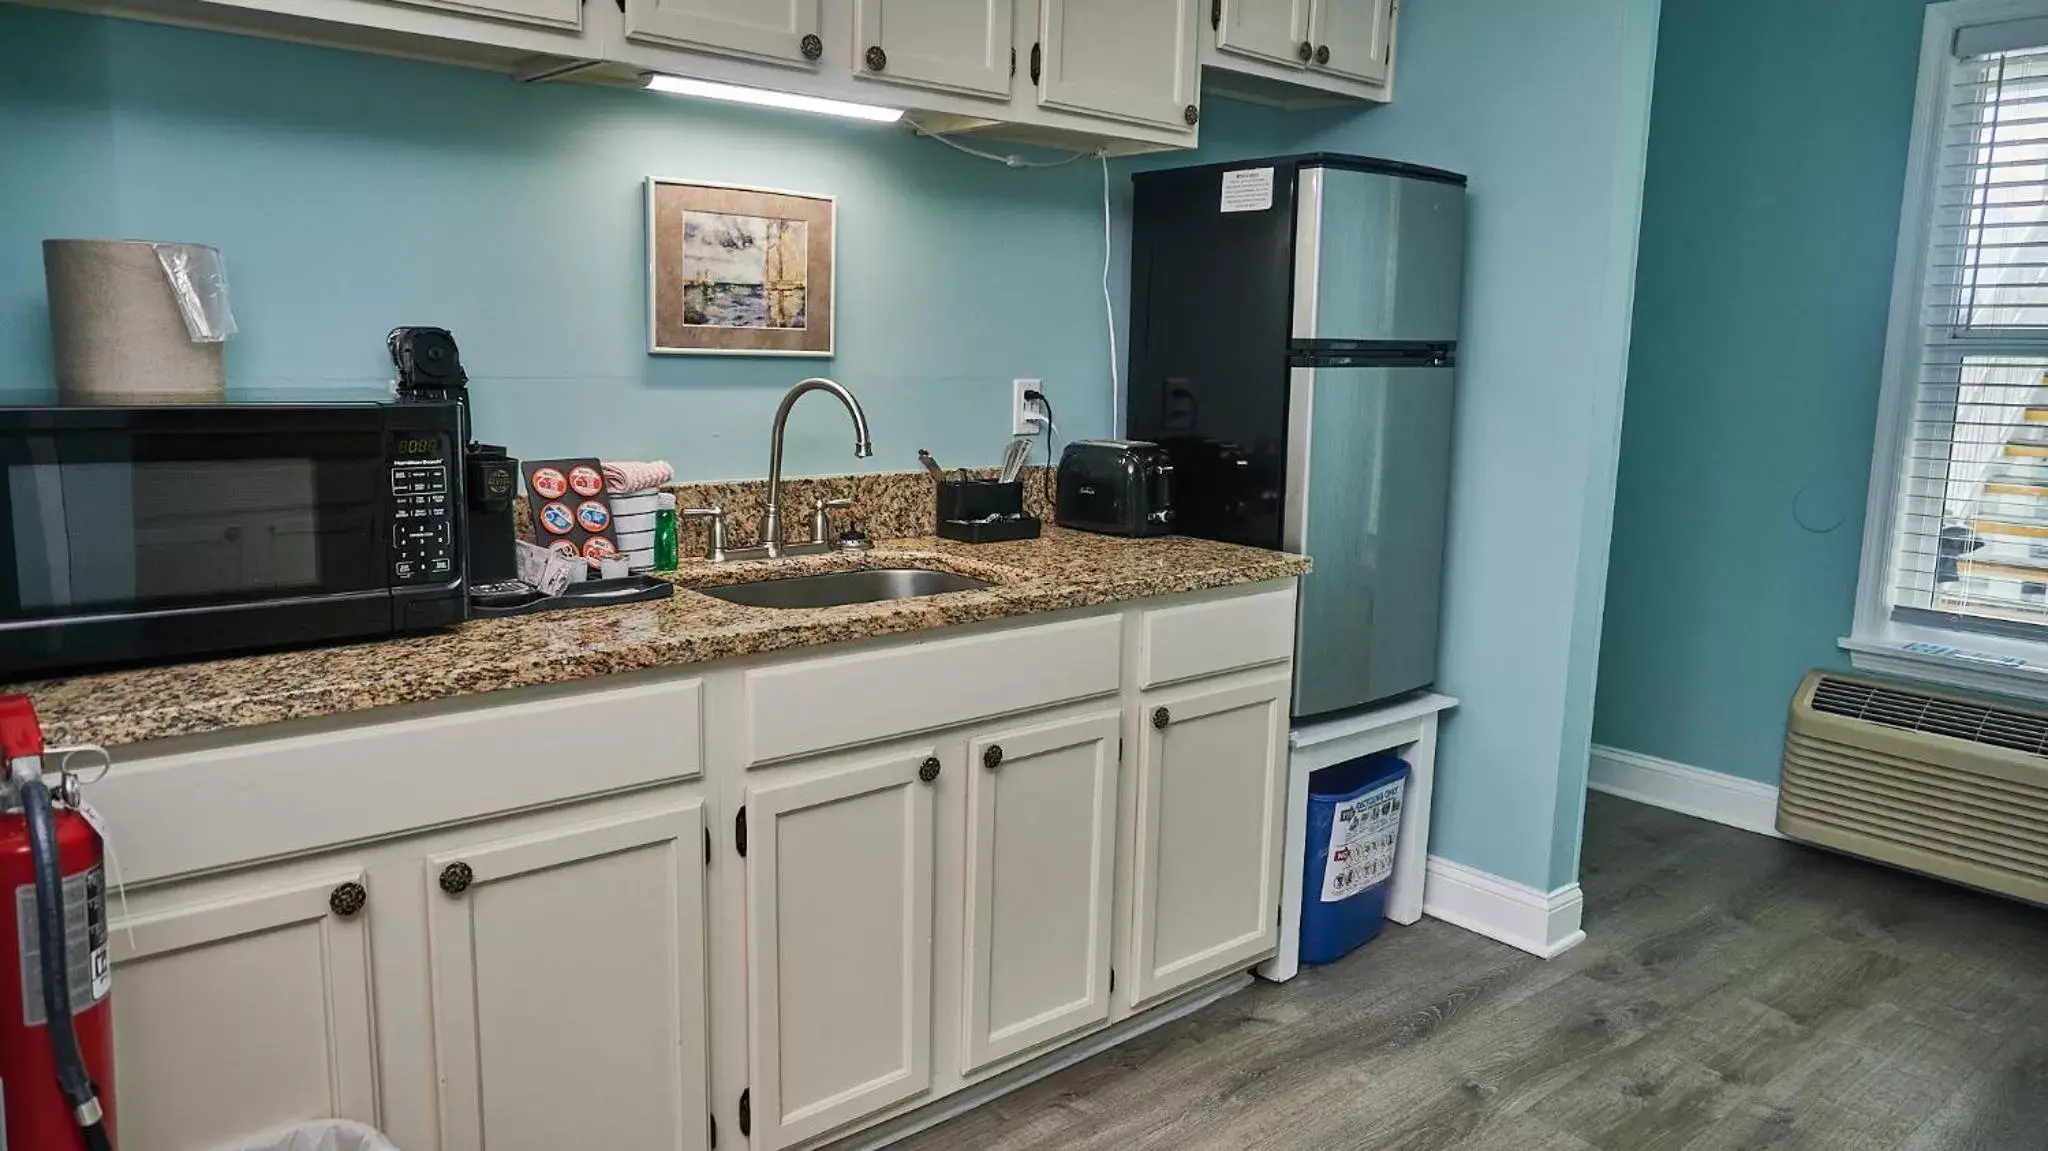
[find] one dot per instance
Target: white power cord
(1012, 160)
(1116, 391)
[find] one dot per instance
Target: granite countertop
(1061, 570)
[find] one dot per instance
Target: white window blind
(1970, 544)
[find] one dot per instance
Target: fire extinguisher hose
(72, 1078)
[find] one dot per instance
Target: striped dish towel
(623, 479)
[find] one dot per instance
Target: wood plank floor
(1734, 992)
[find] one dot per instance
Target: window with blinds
(1971, 525)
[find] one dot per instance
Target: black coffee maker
(430, 368)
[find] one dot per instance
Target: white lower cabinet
(568, 975)
(902, 894)
(839, 876)
(1041, 849)
(1212, 773)
(244, 1007)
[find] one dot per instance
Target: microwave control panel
(422, 511)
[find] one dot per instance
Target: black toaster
(1121, 487)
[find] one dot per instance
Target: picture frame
(736, 270)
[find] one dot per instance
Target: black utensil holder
(964, 509)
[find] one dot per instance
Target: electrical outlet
(1026, 419)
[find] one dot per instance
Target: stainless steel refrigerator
(1294, 328)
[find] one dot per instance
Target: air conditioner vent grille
(1934, 715)
(1941, 784)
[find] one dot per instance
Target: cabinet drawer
(300, 794)
(1177, 643)
(819, 704)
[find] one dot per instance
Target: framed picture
(735, 271)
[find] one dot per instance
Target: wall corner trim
(1695, 791)
(1544, 924)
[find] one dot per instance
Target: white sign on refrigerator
(1248, 190)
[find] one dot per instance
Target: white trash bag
(326, 1135)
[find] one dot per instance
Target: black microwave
(155, 533)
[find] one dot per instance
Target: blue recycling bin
(1354, 823)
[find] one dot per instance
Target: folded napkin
(623, 479)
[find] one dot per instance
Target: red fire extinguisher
(56, 1016)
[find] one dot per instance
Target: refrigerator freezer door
(1367, 485)
(1379, 259)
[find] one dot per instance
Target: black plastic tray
(590, 593)
(990, 531)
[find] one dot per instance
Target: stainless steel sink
(835, 589)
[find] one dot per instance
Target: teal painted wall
(1777, 160)
(352, 193)
(1545, 107)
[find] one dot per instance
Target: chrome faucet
(770, 535)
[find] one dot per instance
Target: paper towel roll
(117, 333)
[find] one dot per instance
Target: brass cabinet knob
(347, 899)
(993, 757)
(1191, 114)
(876, 58)
(812, 46)
(456, 878)
(929, 769)
(1161, 717)
(1307, 51)
(1322, 54)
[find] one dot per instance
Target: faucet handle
(716, 549)
(821, 517)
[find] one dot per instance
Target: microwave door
(109, 520)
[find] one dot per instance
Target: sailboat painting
(739, 271)
(742, 271)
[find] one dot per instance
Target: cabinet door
(1211, 775)
(1353, 37)
(568, 978)
(544, 13)
(1130, 59)
(839, 945)
(761, 29)
(953, 45)
(1274, 30)
(244, 1012)
(1041, 844)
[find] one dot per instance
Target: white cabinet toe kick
(787, 898)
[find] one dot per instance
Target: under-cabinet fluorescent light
(766, 98)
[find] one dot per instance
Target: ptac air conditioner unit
(1936, 783)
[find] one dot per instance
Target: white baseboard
(1542, 923)
(1693, 791)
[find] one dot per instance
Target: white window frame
(1975, 660)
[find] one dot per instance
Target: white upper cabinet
(545, 13)
(1127, 59)
(781, 31)
(1353, 38)
(950, 45)
(1274, 30)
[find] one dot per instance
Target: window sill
(1994, 672)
